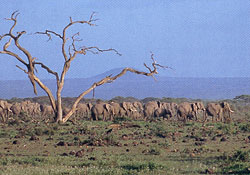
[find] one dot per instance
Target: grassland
(124, 146)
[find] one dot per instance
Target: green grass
(138, 147)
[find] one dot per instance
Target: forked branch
(63, 35)
(29, 64)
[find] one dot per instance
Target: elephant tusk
(231, 110)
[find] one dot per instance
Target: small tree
(69, 54)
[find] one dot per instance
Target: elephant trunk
(231, 110)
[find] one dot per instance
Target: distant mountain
(137, 86)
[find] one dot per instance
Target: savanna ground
(30, 145)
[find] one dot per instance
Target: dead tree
(69, 54)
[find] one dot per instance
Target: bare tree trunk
(59, 113)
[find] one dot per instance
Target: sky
(197, 38)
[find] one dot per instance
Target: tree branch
(74, 39)
(22, 69)
(47, 90)
(96, 50)
(13, 18)
(110, 79)
(89, 22)
(5, 51)
(48, 69)
(48, 33)
(29, 65)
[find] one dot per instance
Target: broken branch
(48, 33)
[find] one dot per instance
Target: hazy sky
(198, 38)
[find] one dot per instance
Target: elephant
(227, 111)
(166, 110)
(5, 110)
(118, 110)
(150, 108)
(199, 106)
(3, 115)
(16, 109)
(25, 107)
(138, 113)
(65, 110)
(83, 110)
(188, 110)
(31, 108)
(36, 109)
(131, 110)
(218, 111)
(102, 109)
(46, 110)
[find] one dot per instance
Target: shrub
(49, 132)
(121, 119)
(111, 139)
(136, 167)
(238, 163)
(24, 116)
(237, 168)
(227, 128)
(154, 151)
(245, 127)
(43, 131)
(165, 144)
(241, 156)
(38, 131)
(4, 134)
(158, 129)
(14, 122)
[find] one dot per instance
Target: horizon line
(104, 77)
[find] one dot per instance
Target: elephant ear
(222, 104)
(159, 104)
(227, 106)
(107, 107)
(137, 105)
(195, 107)
(2, 104)
(124, 105)
(192, 106)
(89, 105)
(199, 105)
(134, 104)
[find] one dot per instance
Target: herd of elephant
(135, 110)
